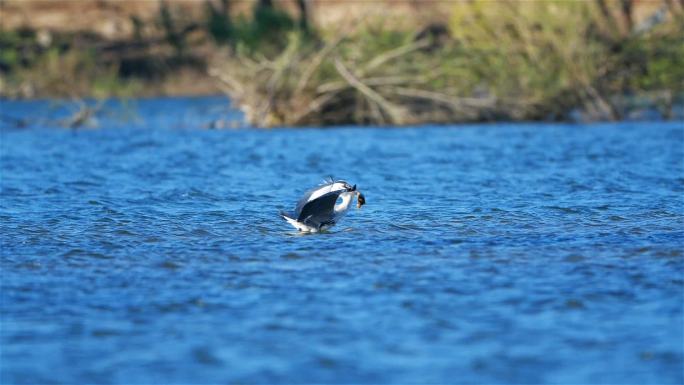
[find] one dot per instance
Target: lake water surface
(149, 250)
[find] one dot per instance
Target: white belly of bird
(302, 227)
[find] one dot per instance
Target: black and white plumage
(318, 209)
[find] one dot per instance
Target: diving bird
(318, 209)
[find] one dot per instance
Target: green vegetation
(516, 61)
(29, 69)
(512, 61)
(171, 48)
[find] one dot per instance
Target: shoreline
(90, 112)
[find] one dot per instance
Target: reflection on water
(151, 251)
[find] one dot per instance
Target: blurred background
(320, 62)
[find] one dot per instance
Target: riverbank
(514, 62)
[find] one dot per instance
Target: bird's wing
(318, 191)
(321, 209)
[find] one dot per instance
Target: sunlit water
(149, 251)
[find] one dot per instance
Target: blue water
(148, 250)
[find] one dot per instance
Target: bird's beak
(360, 200)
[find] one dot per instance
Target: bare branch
(393, 54)
(329, 47)
(395, 113)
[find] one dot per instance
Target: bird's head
(348, 188)
(341, 185)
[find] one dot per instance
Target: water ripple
(525, 253)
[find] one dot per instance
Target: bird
(318, 209)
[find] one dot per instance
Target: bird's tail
(292, 221)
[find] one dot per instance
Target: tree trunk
(303, 6)
(627, 20)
